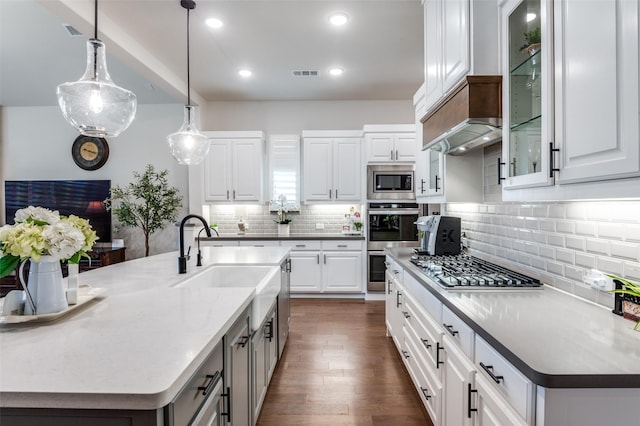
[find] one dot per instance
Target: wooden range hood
(470, 116)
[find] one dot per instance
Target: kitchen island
(133, 348)
(525, 356)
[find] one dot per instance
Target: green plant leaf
(7, 264)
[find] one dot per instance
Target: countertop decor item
(627, 299)
(89, 152)
(44, 238)
(188, 146)
(283, 229)
(282, 211)
(148, 202)
(95, 105)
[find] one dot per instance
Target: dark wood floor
(339, 368)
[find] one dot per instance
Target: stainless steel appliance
(439, 234)
(390, 182)
(464, 272)
(390, 225)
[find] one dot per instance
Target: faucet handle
(188, 255)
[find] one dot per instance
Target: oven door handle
(394, 212)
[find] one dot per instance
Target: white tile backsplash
(557, 242)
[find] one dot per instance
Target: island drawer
(510, 382)
(459, 332)
(259, 243)
(197, 390)
(302, 245)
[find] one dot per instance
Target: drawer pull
(438, 348)
(405, 354)
(395, 271)
(342, 245)
(387, 264)
(212, 381)
(425, 392)
(398, 302)
(244, 341)
(389, 288)
(489, 370)
(406, 314)
(469, 392)
(450, 329)
(258, 245)
(301, 245)
(425, 342)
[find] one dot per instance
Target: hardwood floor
(339, 368)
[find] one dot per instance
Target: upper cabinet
(332, 166)
(460, 38)
(232, 171)
(573, 100)
(390, 143)
(421, 173)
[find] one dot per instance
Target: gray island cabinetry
(511, 357)
(156, 348)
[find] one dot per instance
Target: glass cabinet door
(435, 163)
(527, 114)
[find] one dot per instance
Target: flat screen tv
(83, 198)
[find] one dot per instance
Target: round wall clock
(90, 153)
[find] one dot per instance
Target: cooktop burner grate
(463, 271)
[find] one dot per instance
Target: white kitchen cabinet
(232, 171)
(237, 371)
(458, 374)
(491, 408)
(306, 271)
(342, 271)
(460, 38)
(586, 136)
(332, 166)
(390, 143)
(420, 171)
(264, 359)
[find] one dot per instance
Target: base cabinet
(457, 376)
(264, 358)
(237, 372)
(491, 408)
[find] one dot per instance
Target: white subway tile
(532, 223)
(609, 265)
(576, 274)
(556, 240)
(531, 248)
(625, 250)
(518, 245)
(539, 210)
(525, 210)
(538, 263)
(576, 243)
(605, 298)
(611, 230)
(598, 246)
(631, 270)
(557, 211)
(566, 227)
(632, 232)
(585, 260)
(555, 267)
(577, 211)
(566, 256)
(547, 252)
(588, 229)
(566, 285)
(547, 225)
(585, 291)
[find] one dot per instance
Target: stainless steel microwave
(390, 182)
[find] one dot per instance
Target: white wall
(35, 143)
(294, 116)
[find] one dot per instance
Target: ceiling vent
(304, 73)
(72, 31)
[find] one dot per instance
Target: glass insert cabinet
(527, 96)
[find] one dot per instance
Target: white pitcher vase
(283, 229)
(45, 289)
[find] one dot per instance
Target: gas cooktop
(467, 272)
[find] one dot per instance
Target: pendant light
(188, 146)
(94, 104)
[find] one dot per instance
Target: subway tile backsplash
(557, 242)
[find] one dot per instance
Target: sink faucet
(199, 262)
(182, 260)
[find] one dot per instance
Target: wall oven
(390, 225)
(390, 182)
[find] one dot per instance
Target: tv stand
(101, 255)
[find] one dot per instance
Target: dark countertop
(555, 339)
(275, 236)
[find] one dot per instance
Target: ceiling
(380, 49)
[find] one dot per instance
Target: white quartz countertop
(557, 340)
(136, 345)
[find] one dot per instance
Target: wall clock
(90, 153)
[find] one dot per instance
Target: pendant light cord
(95, 37)
(95, 17)
(188, 63)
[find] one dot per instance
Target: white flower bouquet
(41, 232)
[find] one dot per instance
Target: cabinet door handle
(227, 194)
(469, 392)
(422, 182)
(398, 302)
(395, 271)
(227, 397)
(437, 179)
(450, 329)
(551, 157)
(425, 342)
(389, 287)
(391, 155)
(406, 355)
(301, 245)
(269, 333)
(425, 392)
(318, 259)
(234, 194)
(342, 245)
(243, 342)
(406, 314)
(330, 194)
(212, 381)
(336, 194)
(396, 155)
(325, 259)
(500, 178)
(438, 349)
(489, 371)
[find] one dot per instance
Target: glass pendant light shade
(188, 146)
(94, 104)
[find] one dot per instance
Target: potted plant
(358, 226)
(147, 203)
(631, 303)
(283, 221)
(532, 41)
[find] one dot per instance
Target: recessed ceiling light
(245, 73)
(214, 23)
(339, 19)
(336, 71)
(531, 17)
